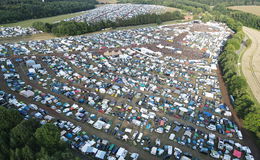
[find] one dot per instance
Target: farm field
(251, 61)
(107, 1)
(249, 9)
(153, 90)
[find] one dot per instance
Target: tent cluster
(132, 92)
(16, 31)
(102, 42)
(113, 12)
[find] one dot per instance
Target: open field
(250, 62)
(28, 23)
(171, 9)
(249, 9)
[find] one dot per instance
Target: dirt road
(251, 62)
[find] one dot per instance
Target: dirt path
(251, 62)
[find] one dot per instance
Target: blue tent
(222, 106)
(69, 135)
(81, 100)
(207, 114)
(191, 103)
(148, 126)
(18, 60)
(58, 103)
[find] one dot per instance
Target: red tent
(237, 153)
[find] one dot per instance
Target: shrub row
(76, 28)
(236, 84)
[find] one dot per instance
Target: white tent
(183, 109)
(121, 152)
(227, 113)
(27, 93)
(100, 154)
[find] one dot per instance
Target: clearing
(251, 61)
(249, 9)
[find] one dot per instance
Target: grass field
(28, 23)
(249, 9)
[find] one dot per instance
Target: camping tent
(183, 109)
(27, 93)
(100, 154)
(237, 153)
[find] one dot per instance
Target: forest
(75, 28)
(28, 140)
(17, 10)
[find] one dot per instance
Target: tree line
(247, 19)
(71, 28)
(236, 84)
(28, 140)
(17, 10)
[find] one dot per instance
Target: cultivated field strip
(251, 61)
